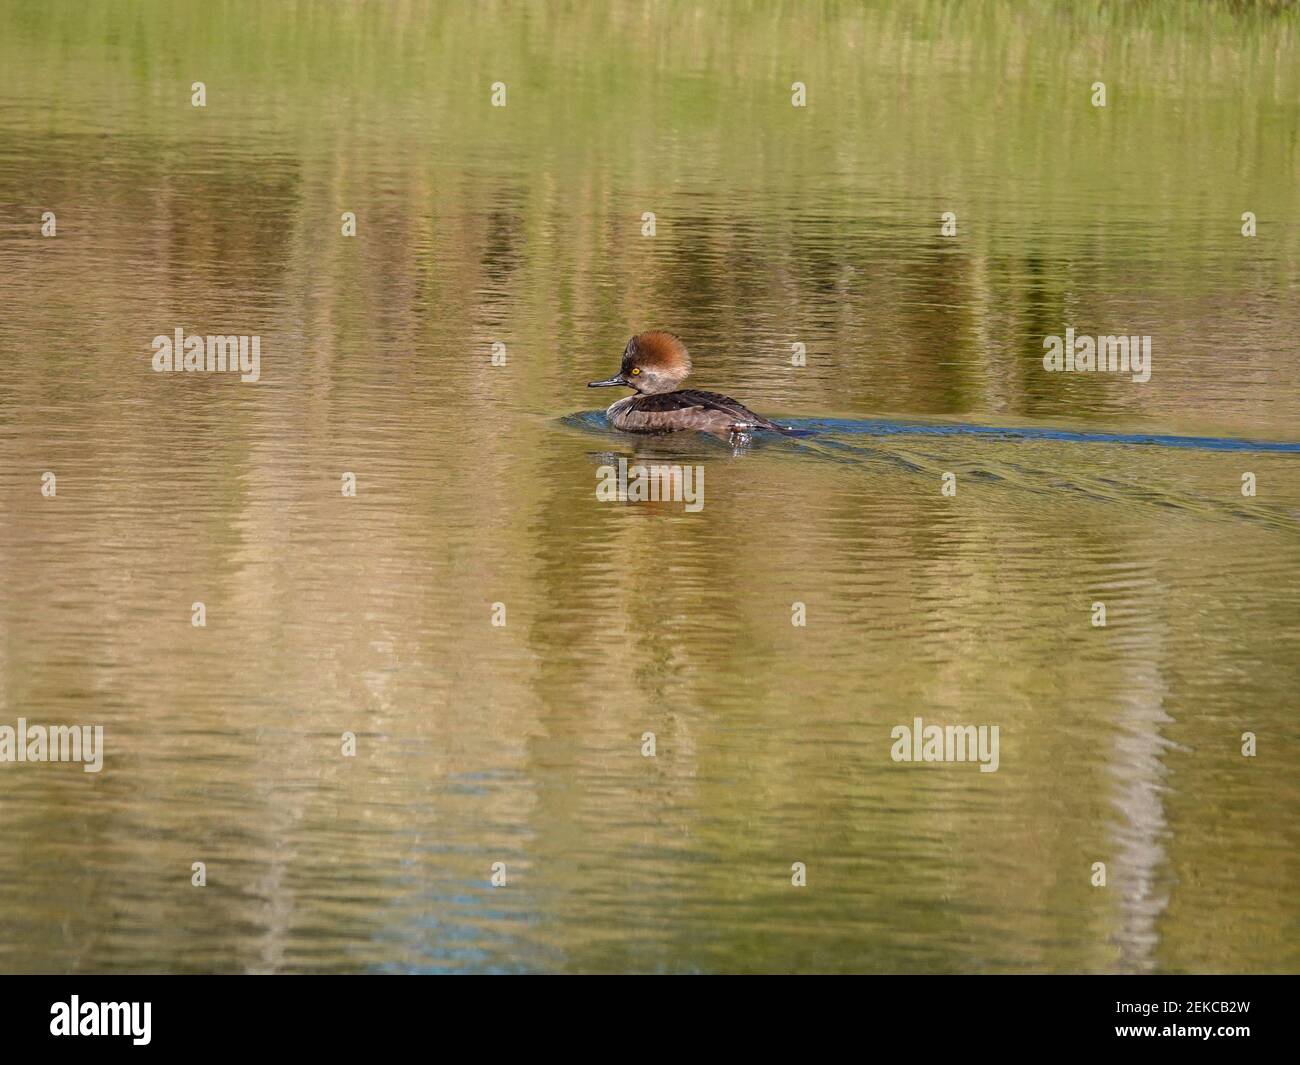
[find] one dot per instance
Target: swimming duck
(654, 364)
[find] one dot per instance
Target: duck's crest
(660, 351)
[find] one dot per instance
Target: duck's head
(652, 362)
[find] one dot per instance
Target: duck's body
(687, 408)
(654, 364)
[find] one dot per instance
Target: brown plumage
(659, 353)
(654, 364)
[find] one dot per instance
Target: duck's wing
(709, 405)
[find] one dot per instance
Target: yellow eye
(636, 370)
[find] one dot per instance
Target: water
(521, 744)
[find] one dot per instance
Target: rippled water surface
(522, 743)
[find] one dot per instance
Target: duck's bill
(609, 382)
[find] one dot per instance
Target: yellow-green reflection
(522, 744)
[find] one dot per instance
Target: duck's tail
(784, 430)
(757, 422)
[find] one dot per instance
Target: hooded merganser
(654, 364)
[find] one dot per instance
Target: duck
(653, 365)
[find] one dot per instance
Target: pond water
(518, 231)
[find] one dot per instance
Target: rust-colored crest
(658, 351)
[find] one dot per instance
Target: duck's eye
(636, 370)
